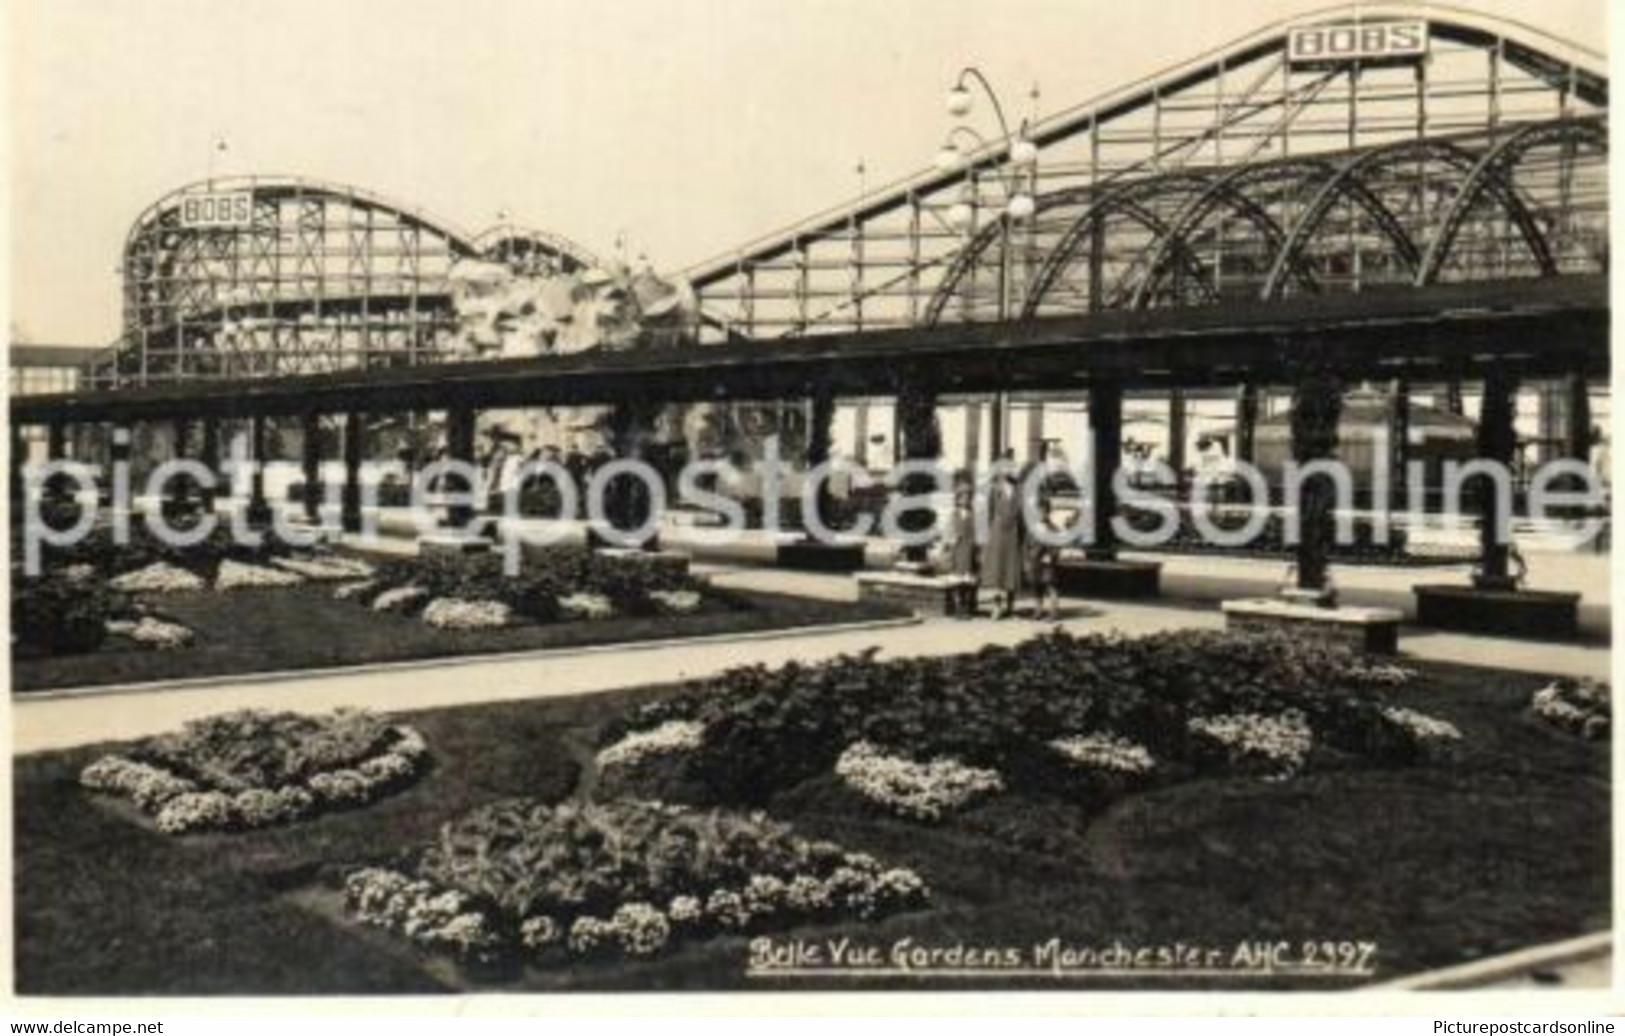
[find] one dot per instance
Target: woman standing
(1002, 561)
(961, 550)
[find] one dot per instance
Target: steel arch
(1126, 199)
(1349, 181)
(1492, 174)
(988, 235)
(1232, 188)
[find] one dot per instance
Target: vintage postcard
(534, 498)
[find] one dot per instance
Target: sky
(686, 127)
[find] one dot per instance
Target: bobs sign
(1369, 42)
(234, 209)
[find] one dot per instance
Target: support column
(1178, 415)
(1106, 439)
(1317, 407)
(860, 433)
(1035, 431)
(209, 457)
(18, 495)
(56, 441)
(351, 502)
(820, 428)
(1497, 442)
(259, 510)
(1246, 422)
(460, 447)
(973, 435)
(998, 442)
(1399, 439)
(311, 459)
(1579, 413)
(119, 438)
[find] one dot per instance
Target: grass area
(303, 627)
(1506, 846)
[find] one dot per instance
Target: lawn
(303, 627)
(1504, 846)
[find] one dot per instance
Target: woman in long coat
(960, 544)
(1002, 560)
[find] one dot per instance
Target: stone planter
(1370, 630)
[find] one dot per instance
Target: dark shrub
(60, 615)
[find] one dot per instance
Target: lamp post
(1021, 156)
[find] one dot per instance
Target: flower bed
(1104, 752)
(920, 791)
(323, 569)
(1056, 715)
(150, 632)
(523, 879)
(1277, 746)
(254, 769)
(450, 613)
(559, 584)
(160, 577)
(235, 575)
(674, 736)
(1583, 707)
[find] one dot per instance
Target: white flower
(1104, 752)
(587, 606)
(151, 632)
(727, 909)
(262, 807)
(678, 602)
(409, 743)
(539, 932)
(641, 928)
(923, 791)
(147, 786)
(1379, 675)
(158, 578)
(195, 810)
(455, 613)
(1422, 728)
(764, 894)
(342, 787)
(676, 735)
(685, 910)
(399, 598)
(349, 590)
(1282, 742)
(328, 567)
(234, 575)
(590, 934)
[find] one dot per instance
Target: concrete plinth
(923, 595)
(1371, 630)
(818, 556)
(1113, 580)
(1502, 613)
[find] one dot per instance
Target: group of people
(1010, 562)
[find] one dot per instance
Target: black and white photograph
(526, 499)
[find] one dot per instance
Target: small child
(1042, 558)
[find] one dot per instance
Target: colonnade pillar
(1106, 440)
(350, 504)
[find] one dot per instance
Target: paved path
(40, 724)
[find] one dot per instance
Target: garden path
(64, 721)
